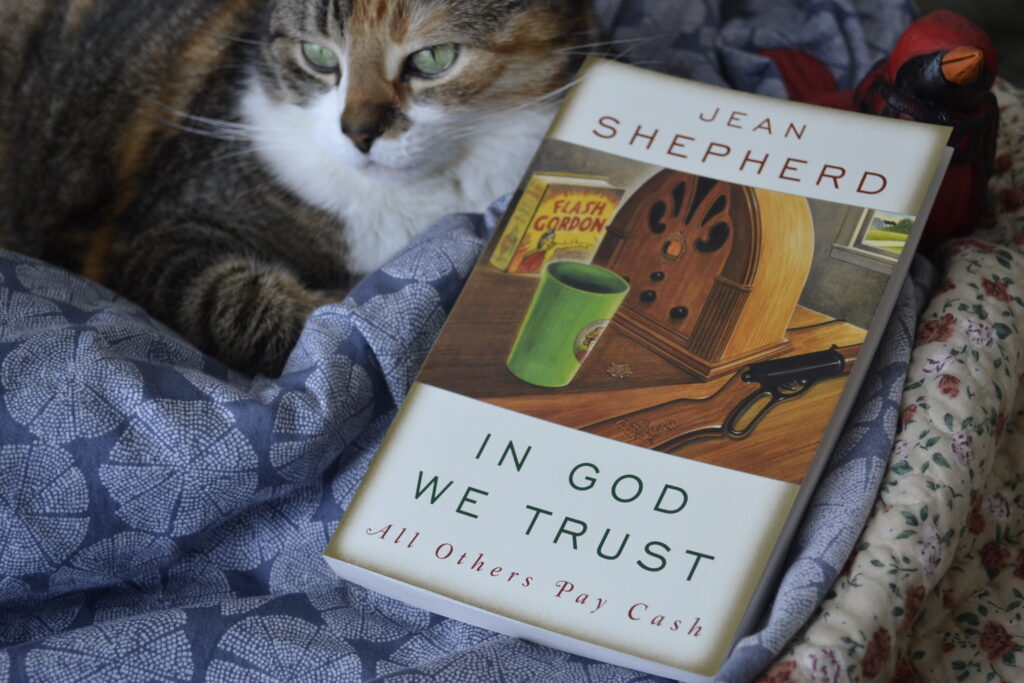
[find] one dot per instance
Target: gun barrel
(807, 367)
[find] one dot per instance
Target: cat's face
(401, 86)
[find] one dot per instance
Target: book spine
(518, 223)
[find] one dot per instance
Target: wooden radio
(715, 269)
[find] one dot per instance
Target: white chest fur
(380, 209)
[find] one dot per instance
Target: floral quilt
(934, 589)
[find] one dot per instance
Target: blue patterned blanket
(162, 518)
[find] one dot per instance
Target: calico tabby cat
(232, 164)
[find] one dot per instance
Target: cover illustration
(604, 446)
(559, 217)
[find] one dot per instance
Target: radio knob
(657, 276)
(648, 296)
(679, 312)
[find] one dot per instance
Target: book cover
(558, 217)
(611, 457)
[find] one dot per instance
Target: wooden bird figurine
(941, 70)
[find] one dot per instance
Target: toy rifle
(736, 409)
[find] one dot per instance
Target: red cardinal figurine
(941, 70)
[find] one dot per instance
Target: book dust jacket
(610, 444)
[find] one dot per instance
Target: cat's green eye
(433, 61)
(319, 57)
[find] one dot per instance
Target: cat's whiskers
(618, 55)
(218, 123)
(232, 137)
(249, 150)
(233, 39)
(218, 129)
(545, 98)
(575, 49)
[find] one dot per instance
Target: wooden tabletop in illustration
(628, 393)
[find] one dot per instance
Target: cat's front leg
(243, 310)
(247, 314)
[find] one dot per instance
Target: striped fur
(185, 154)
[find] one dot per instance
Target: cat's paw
(249, 315)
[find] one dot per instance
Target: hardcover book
(609, 453)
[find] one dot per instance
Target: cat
(231, 165)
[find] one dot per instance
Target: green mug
(572, 305)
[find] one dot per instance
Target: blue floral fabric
(162, 518)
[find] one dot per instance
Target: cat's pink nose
(362, 139)
(363, 122)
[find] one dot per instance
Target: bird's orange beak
(962, 65)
